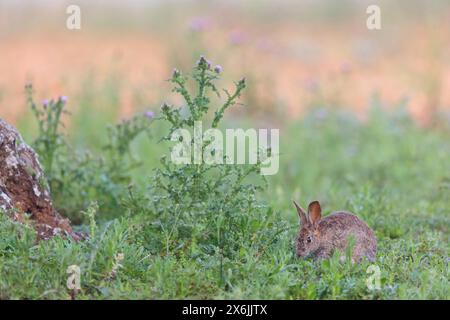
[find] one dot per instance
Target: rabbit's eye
(308, 239)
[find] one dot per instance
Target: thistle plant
(120, 159)
(209, 209)
(199, 104)
(77, 178)
(48, 116)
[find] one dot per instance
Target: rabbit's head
(308, 241)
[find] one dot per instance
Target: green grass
(391, 173)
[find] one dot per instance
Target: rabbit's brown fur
(320, 237)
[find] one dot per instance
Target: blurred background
(295, 54)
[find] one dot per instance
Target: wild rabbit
(320, 237)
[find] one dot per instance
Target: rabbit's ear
(301, 214)
(314, 211)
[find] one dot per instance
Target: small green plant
(78, 177)
(48, 117)
(120, 137)
(90, 214)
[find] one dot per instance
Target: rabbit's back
(337, 228)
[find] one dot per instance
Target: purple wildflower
(205, 61)
(201, 60)
(149, 114)
(208, 63)
(45, 103)
(176, 73)
(218, 69)
(199, 24)
(63, 99)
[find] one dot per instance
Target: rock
(24, 193)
